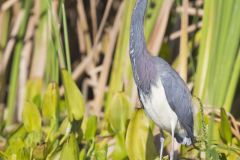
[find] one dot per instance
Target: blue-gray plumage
(164, 95)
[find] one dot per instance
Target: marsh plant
(66, 84)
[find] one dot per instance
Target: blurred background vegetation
(66, 86)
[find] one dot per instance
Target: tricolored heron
(163, 94)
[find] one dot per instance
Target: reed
(66, 84)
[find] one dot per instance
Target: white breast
(157, 108)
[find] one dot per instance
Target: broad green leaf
(232, 155)
(225, 128)
(50, 101)
(212, 153)
(119, 148)
(33, 91)
(82, 154)
(90, 128)
(3, 155)
(90, 150)
(73, 97)
(15, 147)
(17, 150)
(23, 154)
(70, 149)
(32, 140)
(100, 152)
(31, 117)
(65, 129)
(139, 138)
(118, 112)
(20, 133)
(51, 149)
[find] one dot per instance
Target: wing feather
(179, 97)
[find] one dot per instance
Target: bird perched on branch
(163, 94)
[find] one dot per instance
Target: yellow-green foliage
(53, 117)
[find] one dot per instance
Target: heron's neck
(137, 40)
(139, 56)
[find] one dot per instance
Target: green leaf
(119, 148)
(50, 101)
(101, 152)
(32, 140)
(90, 128)
(33, 91)
(70, 149)
(65, 129)
(31, 117)
(139, 139)
(51, 149)
(17, 150)
(82, 154)
(118, 112)
(225, 128)
(20, 133)
(212, 153)
(219, 45)
(23, 154)
(15, 147)
(73, 97)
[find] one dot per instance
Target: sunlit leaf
(139, 139)
(50, 101)
(73, 97)
(23, 154)
(70, 149)
(31, 117)
(213, 154)
(119, 151)
(51, 148)
(20, 133)
(33, 91)
(90, 128)
(225, 128)
(32, 140)
(15, 147)
(119, 112)
(64, 127)
(16, 150)
(100, 152)
(82, 154)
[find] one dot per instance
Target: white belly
(157, 108)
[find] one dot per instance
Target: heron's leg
(172, 128)
(161, 144)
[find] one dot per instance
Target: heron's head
(137, 40)
(139, 9)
